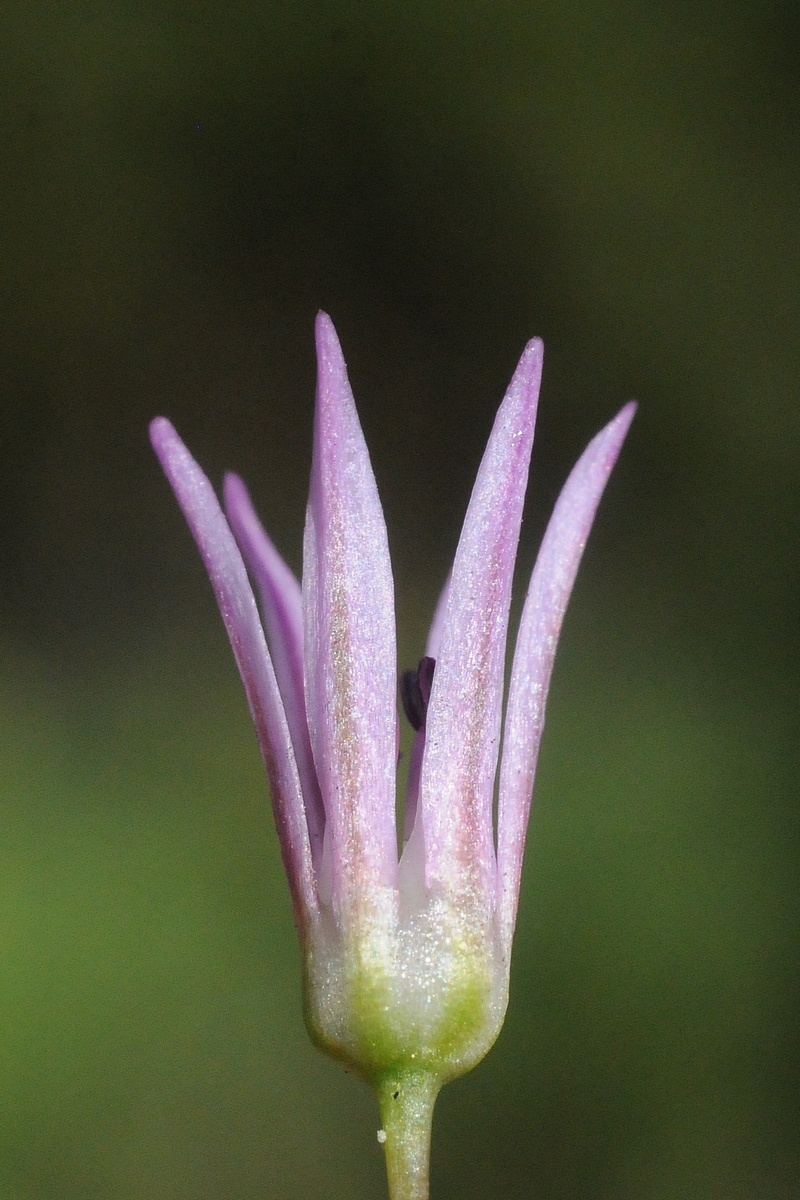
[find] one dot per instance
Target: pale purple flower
(406, 956)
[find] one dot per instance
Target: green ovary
(426, 1000)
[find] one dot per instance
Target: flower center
(415, 691)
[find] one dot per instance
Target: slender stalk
(407, 1112)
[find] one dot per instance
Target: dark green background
(183, 185)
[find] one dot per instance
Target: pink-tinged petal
(463, 724)
(412, 786)
(545, 604)
(415, 693)
(350, 651)
(282, 609)
(237, 604)
(432, 647)
(434, 643)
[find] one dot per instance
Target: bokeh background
(183, 185)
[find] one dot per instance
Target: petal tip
(627, 413)
(328, 346)
(533, 356)
(527, 377)
(234, 489)
(160, 429)
(334, 396)
(613, 435)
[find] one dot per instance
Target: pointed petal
(433, 645)
(282, 608)
(463, 724)
(412, 786)
(546, 602)
(350, 651)
(237, 604)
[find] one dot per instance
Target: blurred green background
(183, 185)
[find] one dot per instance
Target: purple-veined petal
(551, 583)
(237, 604)
(463, 725)
(350, 649)
(282, 609)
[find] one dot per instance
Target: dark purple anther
(415, 691)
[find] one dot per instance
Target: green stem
(407, 1112)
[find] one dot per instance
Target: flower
(406, 956)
